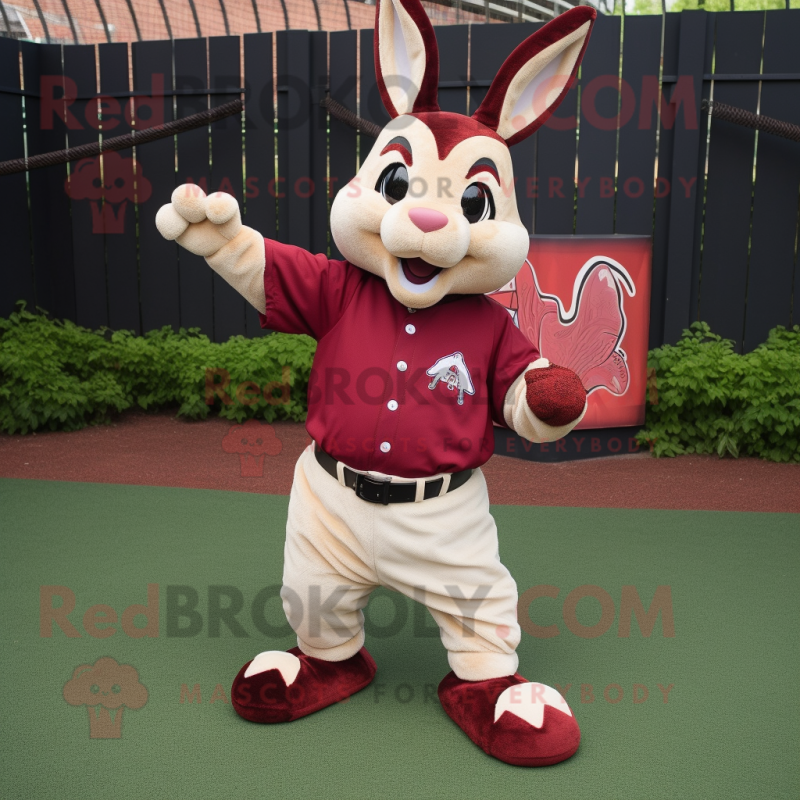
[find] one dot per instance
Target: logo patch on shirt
(452, 371)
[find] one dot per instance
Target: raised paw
(555, 395)
(201, 223)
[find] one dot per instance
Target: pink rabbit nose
(427, 220)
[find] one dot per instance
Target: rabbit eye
(477, 203)
(393, 183)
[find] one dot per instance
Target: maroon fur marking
(490, 109)
(450, 129)
(400, 149)
(482, 166)
(428, 97)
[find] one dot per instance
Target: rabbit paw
(201, 223)
(555, 395)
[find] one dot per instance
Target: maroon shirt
(403, 392)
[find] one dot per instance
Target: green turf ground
(730, 727)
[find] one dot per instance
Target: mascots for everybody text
(413, 365)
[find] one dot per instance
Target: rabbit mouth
(418, 275)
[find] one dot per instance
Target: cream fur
(526, 99)
(288, 664)
(528, 700)
(444, 248)
(190, 202)
(206, 238)
(220, 207)
(170, 223)
(241, 263)
(522, 420)
(373, 234)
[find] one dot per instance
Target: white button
(412, 310)
(402, 366)
(385, 447)
(392, 405)
(410, 328)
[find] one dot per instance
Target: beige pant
(442, 552)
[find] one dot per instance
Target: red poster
(584, 301)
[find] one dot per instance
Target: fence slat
(639, 125)
(702, 178)
(796, 286)
(16, 279)
(556, 146)
(658, 284)
(453, 66)
(686, 164)
(158, 258)
(342, 138)
(196, 278)
(88, 245)
(769, 286)
(120, 230)
(259, 204)
(318, 122)
(51, 227)
(597, 137)
(226, 171)
(723, 280)
(294, 139)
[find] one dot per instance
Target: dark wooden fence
(721, 202)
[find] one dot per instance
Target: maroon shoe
(521, 723)
(278, 686)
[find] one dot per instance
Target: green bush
(713, 400)
(58, 376)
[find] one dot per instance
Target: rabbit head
(433, 210)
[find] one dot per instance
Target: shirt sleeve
(305, 293)
(513, 352)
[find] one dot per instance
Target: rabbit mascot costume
(391, 493)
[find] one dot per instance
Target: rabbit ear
(535, 77)
(406, 57)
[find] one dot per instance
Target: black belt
(382, 490)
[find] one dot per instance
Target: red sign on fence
(584, 301)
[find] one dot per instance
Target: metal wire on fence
(115, 143)
(740, 116)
